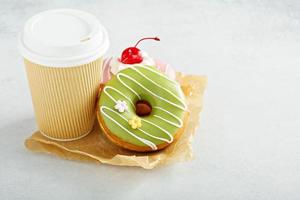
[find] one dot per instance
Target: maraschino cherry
(133, 55)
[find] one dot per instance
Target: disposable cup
(63, 55)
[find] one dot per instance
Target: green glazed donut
(117, 109)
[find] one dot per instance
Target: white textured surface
(248, 145)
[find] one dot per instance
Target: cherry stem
(147, 38)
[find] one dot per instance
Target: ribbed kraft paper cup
(64, 99)
(63, 55)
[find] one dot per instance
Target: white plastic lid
(63, 38)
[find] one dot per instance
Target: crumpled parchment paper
(95, 147)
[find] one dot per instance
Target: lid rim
(64, 60)
(61, 62)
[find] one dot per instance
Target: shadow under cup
(64, 99)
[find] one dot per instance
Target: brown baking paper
(95, 147)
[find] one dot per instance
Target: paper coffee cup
(63, 55)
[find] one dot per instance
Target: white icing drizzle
(116, 90)
(180, 122)
(159, 138)
(168, 91)
(132, 79)
(146, 142)
(148, 67)
(169, 134)
(128, 86)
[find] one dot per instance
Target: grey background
(248, 145)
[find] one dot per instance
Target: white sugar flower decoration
(121, 106)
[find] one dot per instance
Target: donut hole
(143, 108)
